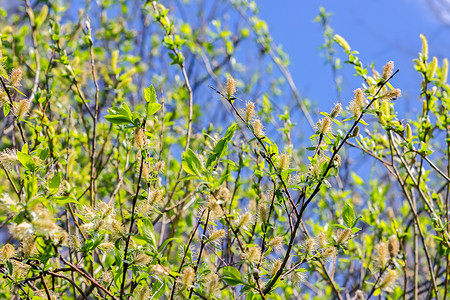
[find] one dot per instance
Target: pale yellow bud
(342, 42)
(424, 47)
(336, 110)
(444, 72)
(408, 133)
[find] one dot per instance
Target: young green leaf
(348, 215)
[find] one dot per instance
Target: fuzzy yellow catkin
(187, 278)
(212, 285)
(243, 221)
(262, 212)
(275, 267)
(382, 254)
(139, 138)
(393, 246)
(249, 111)
(159, 271)
(276, 243)
(325, 125)
(142, 293)
(358, 103)
(22, 109)
(6, 252)
(217, 235)
(258, 128)
(3, 98)
(146, 173)
(329, 253)
(284, 161)
(391, 94)
(8, 159)
(160, 166)
(388, 282)
(21, 231)
(29, 247)
(344, 235)
(142, 259)
(310, 246)
(387, 70)
(252, 254)
(231, 87)
(155, 197)
(106, 276)
(322, 239)
(16, 77)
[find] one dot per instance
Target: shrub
(111, 189)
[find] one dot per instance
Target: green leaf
(65, 199)
(43, 153)
(150, 94)
(358, 180)
(221, 146)
(120, 115)
(232, 276)
(348, 215)
(161, 248)
(118, 119)
(6, 109)
(191, 164)
(26, 160)
(42, 16)
(146, 230)
(55, 181)
(152, 108)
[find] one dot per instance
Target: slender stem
(272, 282)
(202, 246)
(127, 241)
(88, 277)
(185, 253)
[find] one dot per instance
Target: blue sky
(380, 30)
